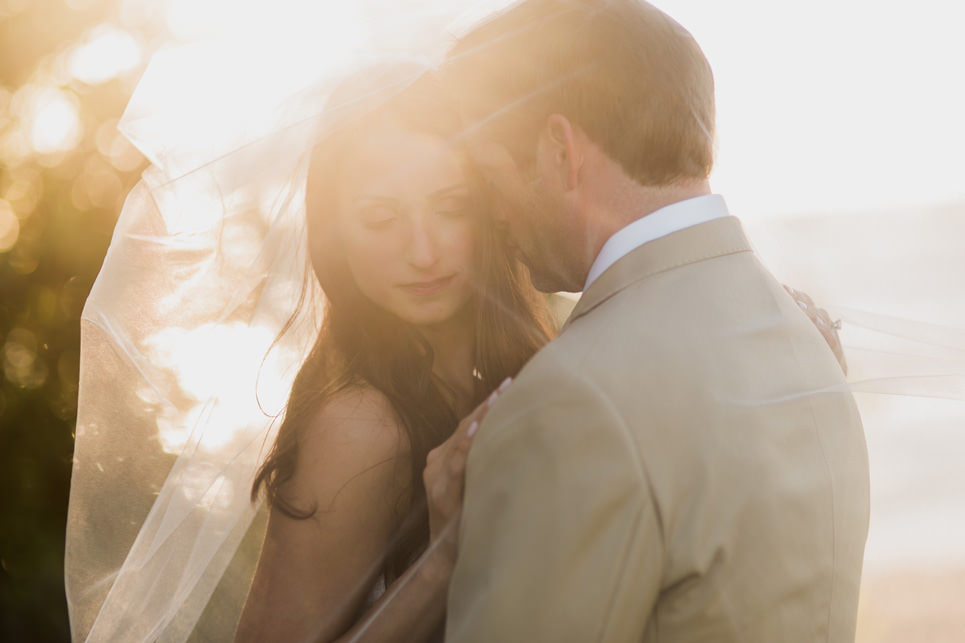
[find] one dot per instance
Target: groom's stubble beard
(539, 229)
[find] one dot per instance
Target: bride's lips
(430, 287)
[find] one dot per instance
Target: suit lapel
(704, 241)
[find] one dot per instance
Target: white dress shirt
(658, 223)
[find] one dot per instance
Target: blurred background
(839, 131)
(67, 69)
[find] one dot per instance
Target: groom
(684, 462)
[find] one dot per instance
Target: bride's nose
(422, 250)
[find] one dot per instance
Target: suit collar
(715, 238)
(659, 223)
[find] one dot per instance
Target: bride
(427, 312)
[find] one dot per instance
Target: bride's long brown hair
(362, 345)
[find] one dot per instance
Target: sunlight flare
(108, 53)
(51, 116)
(228, 376)
(9, 227)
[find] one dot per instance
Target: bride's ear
(561, 151)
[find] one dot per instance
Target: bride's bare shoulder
(355, 436)
(358, 413)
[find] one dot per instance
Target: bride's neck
(452, 348)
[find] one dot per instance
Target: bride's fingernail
(472, 429)
(492, 398)
(505, 384)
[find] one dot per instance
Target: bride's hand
(822, 320)
(444, 478)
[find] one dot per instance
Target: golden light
(9, 227)
(15, 147)
(228, 372)
(20, 364)
(107, 53)
(11, 8)
(113, 146)
(51, 117)
(5, 97)
(99, 183)
(80, 5)
(24, 191)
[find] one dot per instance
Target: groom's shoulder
(556, 362)
(553, 376)
(624, 327)
(563, 380)
(675, 329)
(552, 393)
(674, 308)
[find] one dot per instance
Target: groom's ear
(563, 153)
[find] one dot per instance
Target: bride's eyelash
(378, 225)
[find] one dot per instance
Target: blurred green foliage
(64, 173)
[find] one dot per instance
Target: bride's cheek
(372, 260)
(461, 244)
(375, 249)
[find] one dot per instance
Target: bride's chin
(429, 315)
(438, 314)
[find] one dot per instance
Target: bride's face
(406, 223)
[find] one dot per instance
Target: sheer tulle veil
(184, 369)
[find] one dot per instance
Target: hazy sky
(823, 106)
(834, 105)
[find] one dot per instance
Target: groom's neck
(634, 201)
(625, 202)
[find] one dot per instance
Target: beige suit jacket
(683, 463)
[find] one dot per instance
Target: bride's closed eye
(376, 216)
(452, 201)
(453, 206)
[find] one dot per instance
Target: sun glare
(108, 52)
(828, 106)
(220, 367)
(52, 118)
(9, 227)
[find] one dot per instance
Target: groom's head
(570, 106)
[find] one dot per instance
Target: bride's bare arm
(415, 605)
(412, 608)
(314, 574)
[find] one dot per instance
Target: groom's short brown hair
(626, 73)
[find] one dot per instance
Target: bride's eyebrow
(457, 189)
(376, 199)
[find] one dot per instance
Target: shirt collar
(659, 223)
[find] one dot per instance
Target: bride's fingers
(445, 470)
(487, 404)
(470, 424)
